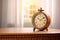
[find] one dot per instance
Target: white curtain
(12, 12)
(8, 13)
(56, 14)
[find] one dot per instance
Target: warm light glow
(29, 7)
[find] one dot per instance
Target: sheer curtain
(9, 13)
(13, 14)
(56, 14)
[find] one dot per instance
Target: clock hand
(41, 18)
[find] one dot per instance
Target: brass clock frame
(47, 23)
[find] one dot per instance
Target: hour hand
(39, 19)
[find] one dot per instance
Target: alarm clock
(40, 21)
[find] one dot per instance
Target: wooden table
(28, 34)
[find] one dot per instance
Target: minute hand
(39, 19)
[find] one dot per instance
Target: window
(28, 8)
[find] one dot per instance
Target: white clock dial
(40, 20)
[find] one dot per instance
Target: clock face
(40, 20)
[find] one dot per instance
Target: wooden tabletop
(4, 31)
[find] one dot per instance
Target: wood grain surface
(28, 34)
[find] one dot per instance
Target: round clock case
(40, 20)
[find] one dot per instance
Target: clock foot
(34, 29)
(47, 29)
(39, 29)
(44, 30)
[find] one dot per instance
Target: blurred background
(18, 13)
